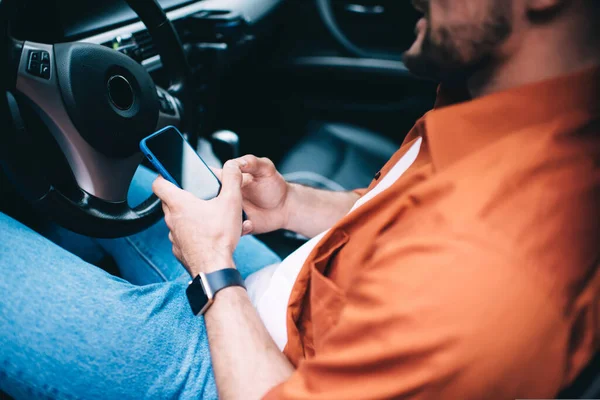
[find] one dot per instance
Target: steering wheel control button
(34, 67)
(45, 71)
(39, 64)
(120, 92)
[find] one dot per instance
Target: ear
(585, 329)
(543, 6)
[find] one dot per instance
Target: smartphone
(177, 161)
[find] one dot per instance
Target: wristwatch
(203, 289)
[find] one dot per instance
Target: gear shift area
(225, 144)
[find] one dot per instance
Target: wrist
(211, 261)
(290, 208)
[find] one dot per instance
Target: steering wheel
(98, 104)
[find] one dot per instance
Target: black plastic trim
(90, 216)
(357, 65)
(15, 50)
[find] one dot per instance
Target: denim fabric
(70, 330)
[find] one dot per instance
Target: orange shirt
(475, 275)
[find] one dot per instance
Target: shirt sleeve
(451, 316)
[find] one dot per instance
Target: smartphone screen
(171, 153)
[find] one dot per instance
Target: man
(469, 268)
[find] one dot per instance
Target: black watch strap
(224, 278)
(202, 290)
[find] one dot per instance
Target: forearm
(312, 211)
(246, 361)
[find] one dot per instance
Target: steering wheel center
(120, 92)
(110, 98)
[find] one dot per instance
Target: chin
(426, 63)
(421, 65)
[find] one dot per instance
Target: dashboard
(214, 24)
(91, 16)
(83, 17)
(217, 24)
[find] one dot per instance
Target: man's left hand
(205, 233)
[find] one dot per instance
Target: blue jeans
(70, 330)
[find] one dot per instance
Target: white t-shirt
(270, 288)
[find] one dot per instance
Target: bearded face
(457, 37)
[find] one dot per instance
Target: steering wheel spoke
(95, 173)
(169, 109)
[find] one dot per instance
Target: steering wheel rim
(102, 160)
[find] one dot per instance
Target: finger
(247, 179)
(166, 191)
(167, 213)
(256, 166)
(176, 252)
(247, 227)
(171, 237)
(231, 180)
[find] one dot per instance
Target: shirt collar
(458, 126)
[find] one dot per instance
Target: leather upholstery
(337, 156)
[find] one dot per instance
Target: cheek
(454, 14)
(463, 31)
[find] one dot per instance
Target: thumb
(247, 227)
(231, 179)
(165, 190)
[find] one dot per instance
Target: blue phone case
(156, 163)
(161, 169)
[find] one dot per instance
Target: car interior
(317, 86)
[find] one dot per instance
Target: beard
(452, 54)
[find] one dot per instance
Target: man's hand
(271, 203)
(204, 236)
(204, 233)
(265, 194)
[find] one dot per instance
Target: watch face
(196, 295)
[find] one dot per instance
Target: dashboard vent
(145, 46)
